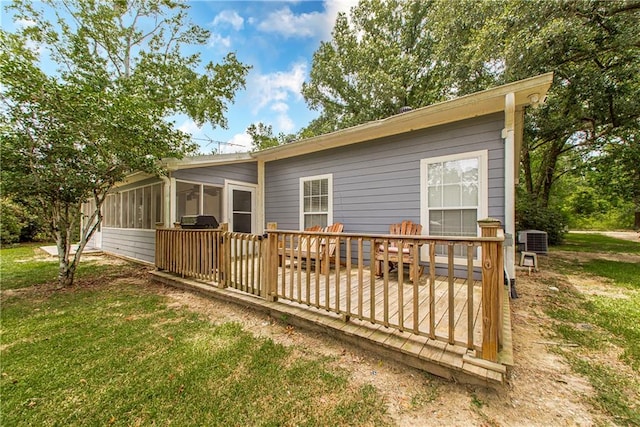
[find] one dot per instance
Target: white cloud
(313, 24)
(189, 126)
(239, 143)
(280, 107)
(24, 23)
(217, 41)
(284, 123)
(229, 17)
(278, 87)
(286, 23)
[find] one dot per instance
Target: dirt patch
(542, 389)
(633, 236)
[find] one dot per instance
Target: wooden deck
(430, 353)
(447, 325)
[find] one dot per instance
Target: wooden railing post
(271, 259)
(492, 279)
(223, 256)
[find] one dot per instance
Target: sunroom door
(242, 208)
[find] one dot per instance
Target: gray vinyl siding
(377, 183)
(216, 175)
(130, 242)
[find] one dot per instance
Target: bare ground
(542, 391)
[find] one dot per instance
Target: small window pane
(435, 197)
(139, 207)
(118, 221)
(434, 174)
(242, 222)
(146, 209)
(241, 201)
(187, 199)
(315, 219)
(451, 195)
(131, 218)
(212, 201)
(451, 173)
(158, 202)
(470, 195)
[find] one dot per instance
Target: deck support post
(271, 260)
(492, 280)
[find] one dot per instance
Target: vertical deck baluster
(348, 274)
(470, 303)
(360, 276)
(432, 290)
(372, 284)
(401, 285)
(451, 309)
(337, 268)
(385, 281)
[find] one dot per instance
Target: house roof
(531, 91)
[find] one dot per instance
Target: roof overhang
(531, 91)
(207, 160)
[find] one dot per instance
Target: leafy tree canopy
(379, 60)
(68, 135)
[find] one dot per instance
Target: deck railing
(458, 300)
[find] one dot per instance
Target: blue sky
(277, 39)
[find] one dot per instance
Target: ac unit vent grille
(534, 241)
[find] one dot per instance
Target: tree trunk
(636, 222)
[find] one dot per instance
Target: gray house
(444, 166)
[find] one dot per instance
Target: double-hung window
(454, 194)
(316, 201)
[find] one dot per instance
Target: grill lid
(198, 221)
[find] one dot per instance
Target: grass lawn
(112, 351)
(592, 242)
(602, 318)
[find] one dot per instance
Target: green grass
(594, 322)
(114, 353)
(26, 265)
(592, 242)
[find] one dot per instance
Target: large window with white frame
(140, 207)
(454, 195)
(316, 201)
(194, 198)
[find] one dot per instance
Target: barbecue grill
(197, 222)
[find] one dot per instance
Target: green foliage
(12, 220)
(531, 215)
(377, 61)
(108, 353)
(262, 136)
(68, 137)
(593, 242)
(392, 53)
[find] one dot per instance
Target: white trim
(483, 194)
(510, 173)
(303, 179)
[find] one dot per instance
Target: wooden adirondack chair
(405, 228)
(316, 246)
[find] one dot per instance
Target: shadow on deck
(451, 361)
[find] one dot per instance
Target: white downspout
(510, 167)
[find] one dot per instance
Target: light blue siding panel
(133, 243)
(377, 183)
